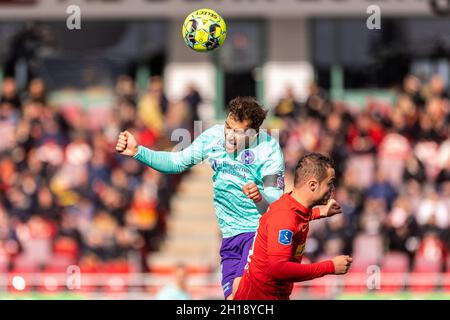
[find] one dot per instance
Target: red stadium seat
(446, 277)
(425, 275)
(52, 281)
(367, 248)
(324, 287)
(446, 282)
(394, 269)
(20, 279)
(60, 263)
(4, 261)
(355, 280)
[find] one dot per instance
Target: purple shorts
(234, 254)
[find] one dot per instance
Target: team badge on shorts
(285, 237)
(247, 157)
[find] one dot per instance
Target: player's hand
(126, 144)
(330, 209)
(252, 192)
(341, 264)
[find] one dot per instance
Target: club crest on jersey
(280, 182)
(247, 157)
(285, 237)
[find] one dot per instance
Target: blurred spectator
(365, 135)
(431, 253)
(9, 93)
(382, 189)
(288, 106)
(444, 175)
(433, 212)
(64, 193)
(412, 87)
(192, 99)
(126, 88)
(338, 237)
(394, 150)
(37, 91)
(402, 228)
(414, 170)
(317, 105)
(153, 105)
(66, 196)
(177, 289)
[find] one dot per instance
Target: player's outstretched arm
(165, 162)
(342, 264)
(126, 144)
(281, 269)
(330, 209)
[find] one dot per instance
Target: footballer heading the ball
(204, 30)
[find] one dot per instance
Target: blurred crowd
(393, 172)
(66, 196)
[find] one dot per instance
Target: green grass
(41, 296)
(396, 296)
(345, 296)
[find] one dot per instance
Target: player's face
(237, 134)
(326, 187)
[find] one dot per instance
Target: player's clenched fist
(331, 208)
(251, 191)
(341, 264)
(126, 144)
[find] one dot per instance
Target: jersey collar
(297, 206)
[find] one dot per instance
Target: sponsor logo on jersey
(300, 249)
(214, 164)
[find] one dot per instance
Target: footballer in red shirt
(274, 262)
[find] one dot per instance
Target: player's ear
(313, 185)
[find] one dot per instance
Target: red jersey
(274, 262)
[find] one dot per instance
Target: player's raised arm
(281, 269)
(330, 209)
(126, 144)
(272, 173)
(165, 162)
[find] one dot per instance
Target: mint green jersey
(262, 163)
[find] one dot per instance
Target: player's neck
(302, 199)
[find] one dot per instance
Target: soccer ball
(204, 30)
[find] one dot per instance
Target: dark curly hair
(247, 108)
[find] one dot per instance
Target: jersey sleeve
(176, 162)
(272, 173)
(280, 234)
(281, 269)
(315, 213)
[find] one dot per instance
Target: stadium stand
(68, 198)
